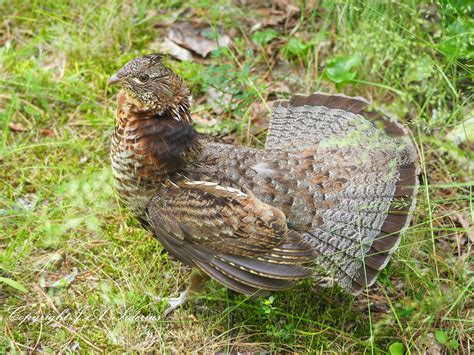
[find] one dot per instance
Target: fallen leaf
(275, 18)
(48, 132)
(17, 127)
(199, 40)
(467, 225)
(280, 15)
(171, 48)
(260, 115)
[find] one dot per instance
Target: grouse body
(332, 190)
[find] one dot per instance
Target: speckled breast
(127, 165)
(136, 173)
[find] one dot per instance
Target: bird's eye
(143, 78)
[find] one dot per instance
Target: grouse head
(152, 87)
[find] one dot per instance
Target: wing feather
(230, 235)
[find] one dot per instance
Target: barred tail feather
(356, 236)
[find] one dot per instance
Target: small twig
(40, 332)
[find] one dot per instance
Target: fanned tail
(356, 235)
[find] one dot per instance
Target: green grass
(411, 58)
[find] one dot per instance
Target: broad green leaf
(457, 42)
(12, 283)
(296, 47)
(339, 70)
(441, 336)
(264, 37)
(453, 344)
(396, 348)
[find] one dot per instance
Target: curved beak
(114, 79)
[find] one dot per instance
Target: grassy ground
(85, 269)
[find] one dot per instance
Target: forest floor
(78, 273)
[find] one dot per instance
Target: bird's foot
(192, 290)
(325, 281)
(174, 302)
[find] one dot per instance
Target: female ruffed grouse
(334, 186)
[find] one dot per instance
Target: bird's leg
(193, 289)
(325, 281)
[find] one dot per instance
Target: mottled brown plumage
(335, 185)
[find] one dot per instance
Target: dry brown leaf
(48, 132)
(467, 225)
(17, 127)
(273, 17)
(260, 115)
(171, 48)
(199, 40)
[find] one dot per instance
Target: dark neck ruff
(148, 148)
